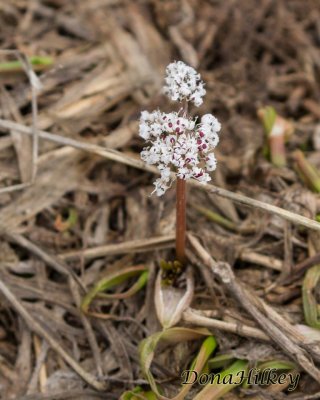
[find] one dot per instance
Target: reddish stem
(277, 150)
(181, 221)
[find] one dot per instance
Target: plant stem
(181, 221)
(277, 150)
(307, 171)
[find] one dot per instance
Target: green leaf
(277, 364)
(268, 117)
(170, 337)
(114, 279)
(13, 66)
(306, 171)
(310, 304)
(138, 394)
(220, 361)
(272, 364)
(217, 218)
(207, 348)
(214, 391)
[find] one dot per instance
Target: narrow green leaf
(310, 304)
(17, 66)
(173, 336)
(277, 130)
(268, 117)
(306, 171)
(138, 285)
(229, 379)
(220, 361)
(277, 364)
(272, 364)
(138, 394)
(217, 218)
(207, 348)
(114, 279)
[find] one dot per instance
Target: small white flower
(211, 162)
(161, 186)
(183, 83)
(209, 120)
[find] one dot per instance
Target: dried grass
(74, 146)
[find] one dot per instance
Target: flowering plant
(180, 147)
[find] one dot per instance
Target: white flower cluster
(180, 146)
(177, 145)
(184, 83)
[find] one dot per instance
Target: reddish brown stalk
(181, 221)
(277, 150)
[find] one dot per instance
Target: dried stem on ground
(135, 163)
(107, 63)
(224, 272)
(35, 327)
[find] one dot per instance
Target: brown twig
(39, 369)
(224, 272)
(88, 328)
(26, 65)
(194, 317)
(299, 269)
(132, 246)
(13, 188)
(261, 259)
(50, 260)
(136, 163)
